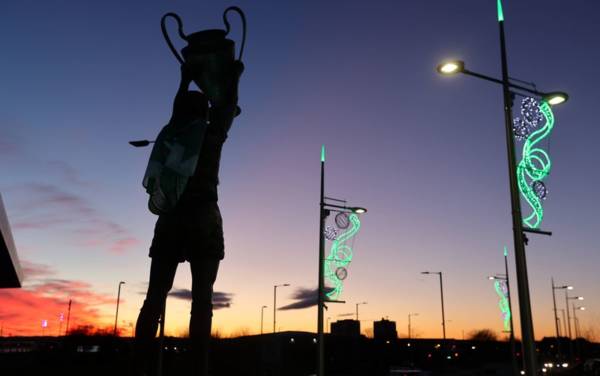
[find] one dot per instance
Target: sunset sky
(425, 154)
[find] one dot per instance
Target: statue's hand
(187, 74)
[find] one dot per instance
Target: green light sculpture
(339, 257)
(534, 166)
(502, 291)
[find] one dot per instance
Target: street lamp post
(576, 327)
(117, 312)
(262, 315)
(564, 319)
(409, 327)
(275, 304)
(554, 288)
(567, 298)
(442, 298)
(529, 353)
(506, 278)
(324, 210)
(357, 304)
(575, 321)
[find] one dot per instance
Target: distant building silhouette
(350, 328)
(385, 330)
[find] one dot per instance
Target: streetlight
(564, 319)
(262, 314)
(442, 295)
(529, 353)
(409, 315)
(554, 288)
(575, 322)
(325, 209)
(567, 298)
(506, 278)
(117, 313)
(453, 67)
(357, 304)
(140, 143)
(275, 304)
(568, 322)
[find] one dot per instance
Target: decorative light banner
(535, 163)
(341, 253)
(502, 291)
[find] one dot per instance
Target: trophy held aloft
(210, 55)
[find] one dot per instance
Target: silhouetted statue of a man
(184, 194)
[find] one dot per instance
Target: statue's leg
(162, 273)
(204, 273)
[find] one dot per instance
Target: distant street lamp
(275, 305)
(357, 304)
(442, 296)
(567, 298)
(506, 278)
(117, 313)
(262, 314)
(140, 143)
(554, 288)
(564, 319)
(409, 326)
(575, 321)
(552, 98)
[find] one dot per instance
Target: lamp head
(556, 97)
(286, 284)
(580, 298)
(140, 143)
(451, 67)
(425, 273)
(358, 210)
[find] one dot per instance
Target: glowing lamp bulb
(451, 67)
(556, 98)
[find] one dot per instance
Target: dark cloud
(220, 299)
(50, 207)
(304, 297)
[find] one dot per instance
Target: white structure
(10, 269)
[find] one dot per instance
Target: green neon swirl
(535, 166)
(340, 256)
(503, 304)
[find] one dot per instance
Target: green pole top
(322, 153)
(505, 251)
(500, 12)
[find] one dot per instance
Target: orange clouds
(22, 310)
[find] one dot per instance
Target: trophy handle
(166, 34)
(228, 26)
